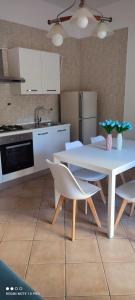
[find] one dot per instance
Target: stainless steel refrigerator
(80, 110)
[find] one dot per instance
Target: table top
(96, 157)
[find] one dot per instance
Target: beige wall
(22, 107)
(103, 68)
(87, 64)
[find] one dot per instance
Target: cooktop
(6, 128)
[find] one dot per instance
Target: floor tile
(15, 216)
(89, 298)
(82, 251)
(3, 228)
(116, 250)
(85, 280)
(15, 253)
(48, 232)
(58, 298)
(25, 203)
(19, 232)
(46, 215)
(129, 226)
(20, 270)
(47, 252)
(83, 230)
(4, 215)
(119, 232)
(21, 201)
(48, 279)
(123, 297)
(121, 278)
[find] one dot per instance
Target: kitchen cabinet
(61, 135)
(47, 141)
(26, 63)
(42, 140)
(50, 73)
(40, 69)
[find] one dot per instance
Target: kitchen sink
(48, 124)
(40, 125)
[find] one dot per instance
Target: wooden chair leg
(58, 208)
(122, 178)
(120, 213)
(92, 208)
(86, 208)
(101, 192)
(132, 209)
(73, 220)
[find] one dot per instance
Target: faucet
(37, 119)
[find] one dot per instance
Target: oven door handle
(17, 146)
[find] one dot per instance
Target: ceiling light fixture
(102, 30)
(81, 17)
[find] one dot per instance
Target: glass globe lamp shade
(57, 34)
(57, 39)
(102, 30)
(82, 17)
(82, 22)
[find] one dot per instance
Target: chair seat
(89, 189)
(127, 191)
(88, 175)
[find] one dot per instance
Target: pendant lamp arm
(63, 11)
(67, 18)
(61, 19)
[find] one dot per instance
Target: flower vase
(119, 141)
(109, 142)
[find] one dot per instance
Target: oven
(16, 152)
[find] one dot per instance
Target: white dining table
(96, 157)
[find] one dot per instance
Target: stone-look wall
(22, 107)
(87, 64)
(103, 68)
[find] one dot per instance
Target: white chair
(85, 174)
(97, 139)
(69, 187)
(127, 192)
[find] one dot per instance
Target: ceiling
(90, 3)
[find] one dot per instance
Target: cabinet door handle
(32, 90)
(43, 133)
(60, 130)
(51, 90)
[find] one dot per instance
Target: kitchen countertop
(31, 127)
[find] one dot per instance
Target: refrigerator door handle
(80, 104)
(80, 131)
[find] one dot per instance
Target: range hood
(4, 78)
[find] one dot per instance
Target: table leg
(111, 204)
(56, 194)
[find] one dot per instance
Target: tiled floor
(91, 268)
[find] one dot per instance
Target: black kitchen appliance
(16, 152)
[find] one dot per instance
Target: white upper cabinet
(41, 70)
(50, 73)
(26, 63)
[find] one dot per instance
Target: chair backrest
(96, 139)
(69, 146)
(65, 182)
(73, 145)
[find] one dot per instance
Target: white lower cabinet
(42, 140)
(61, 135)
(47, 141)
